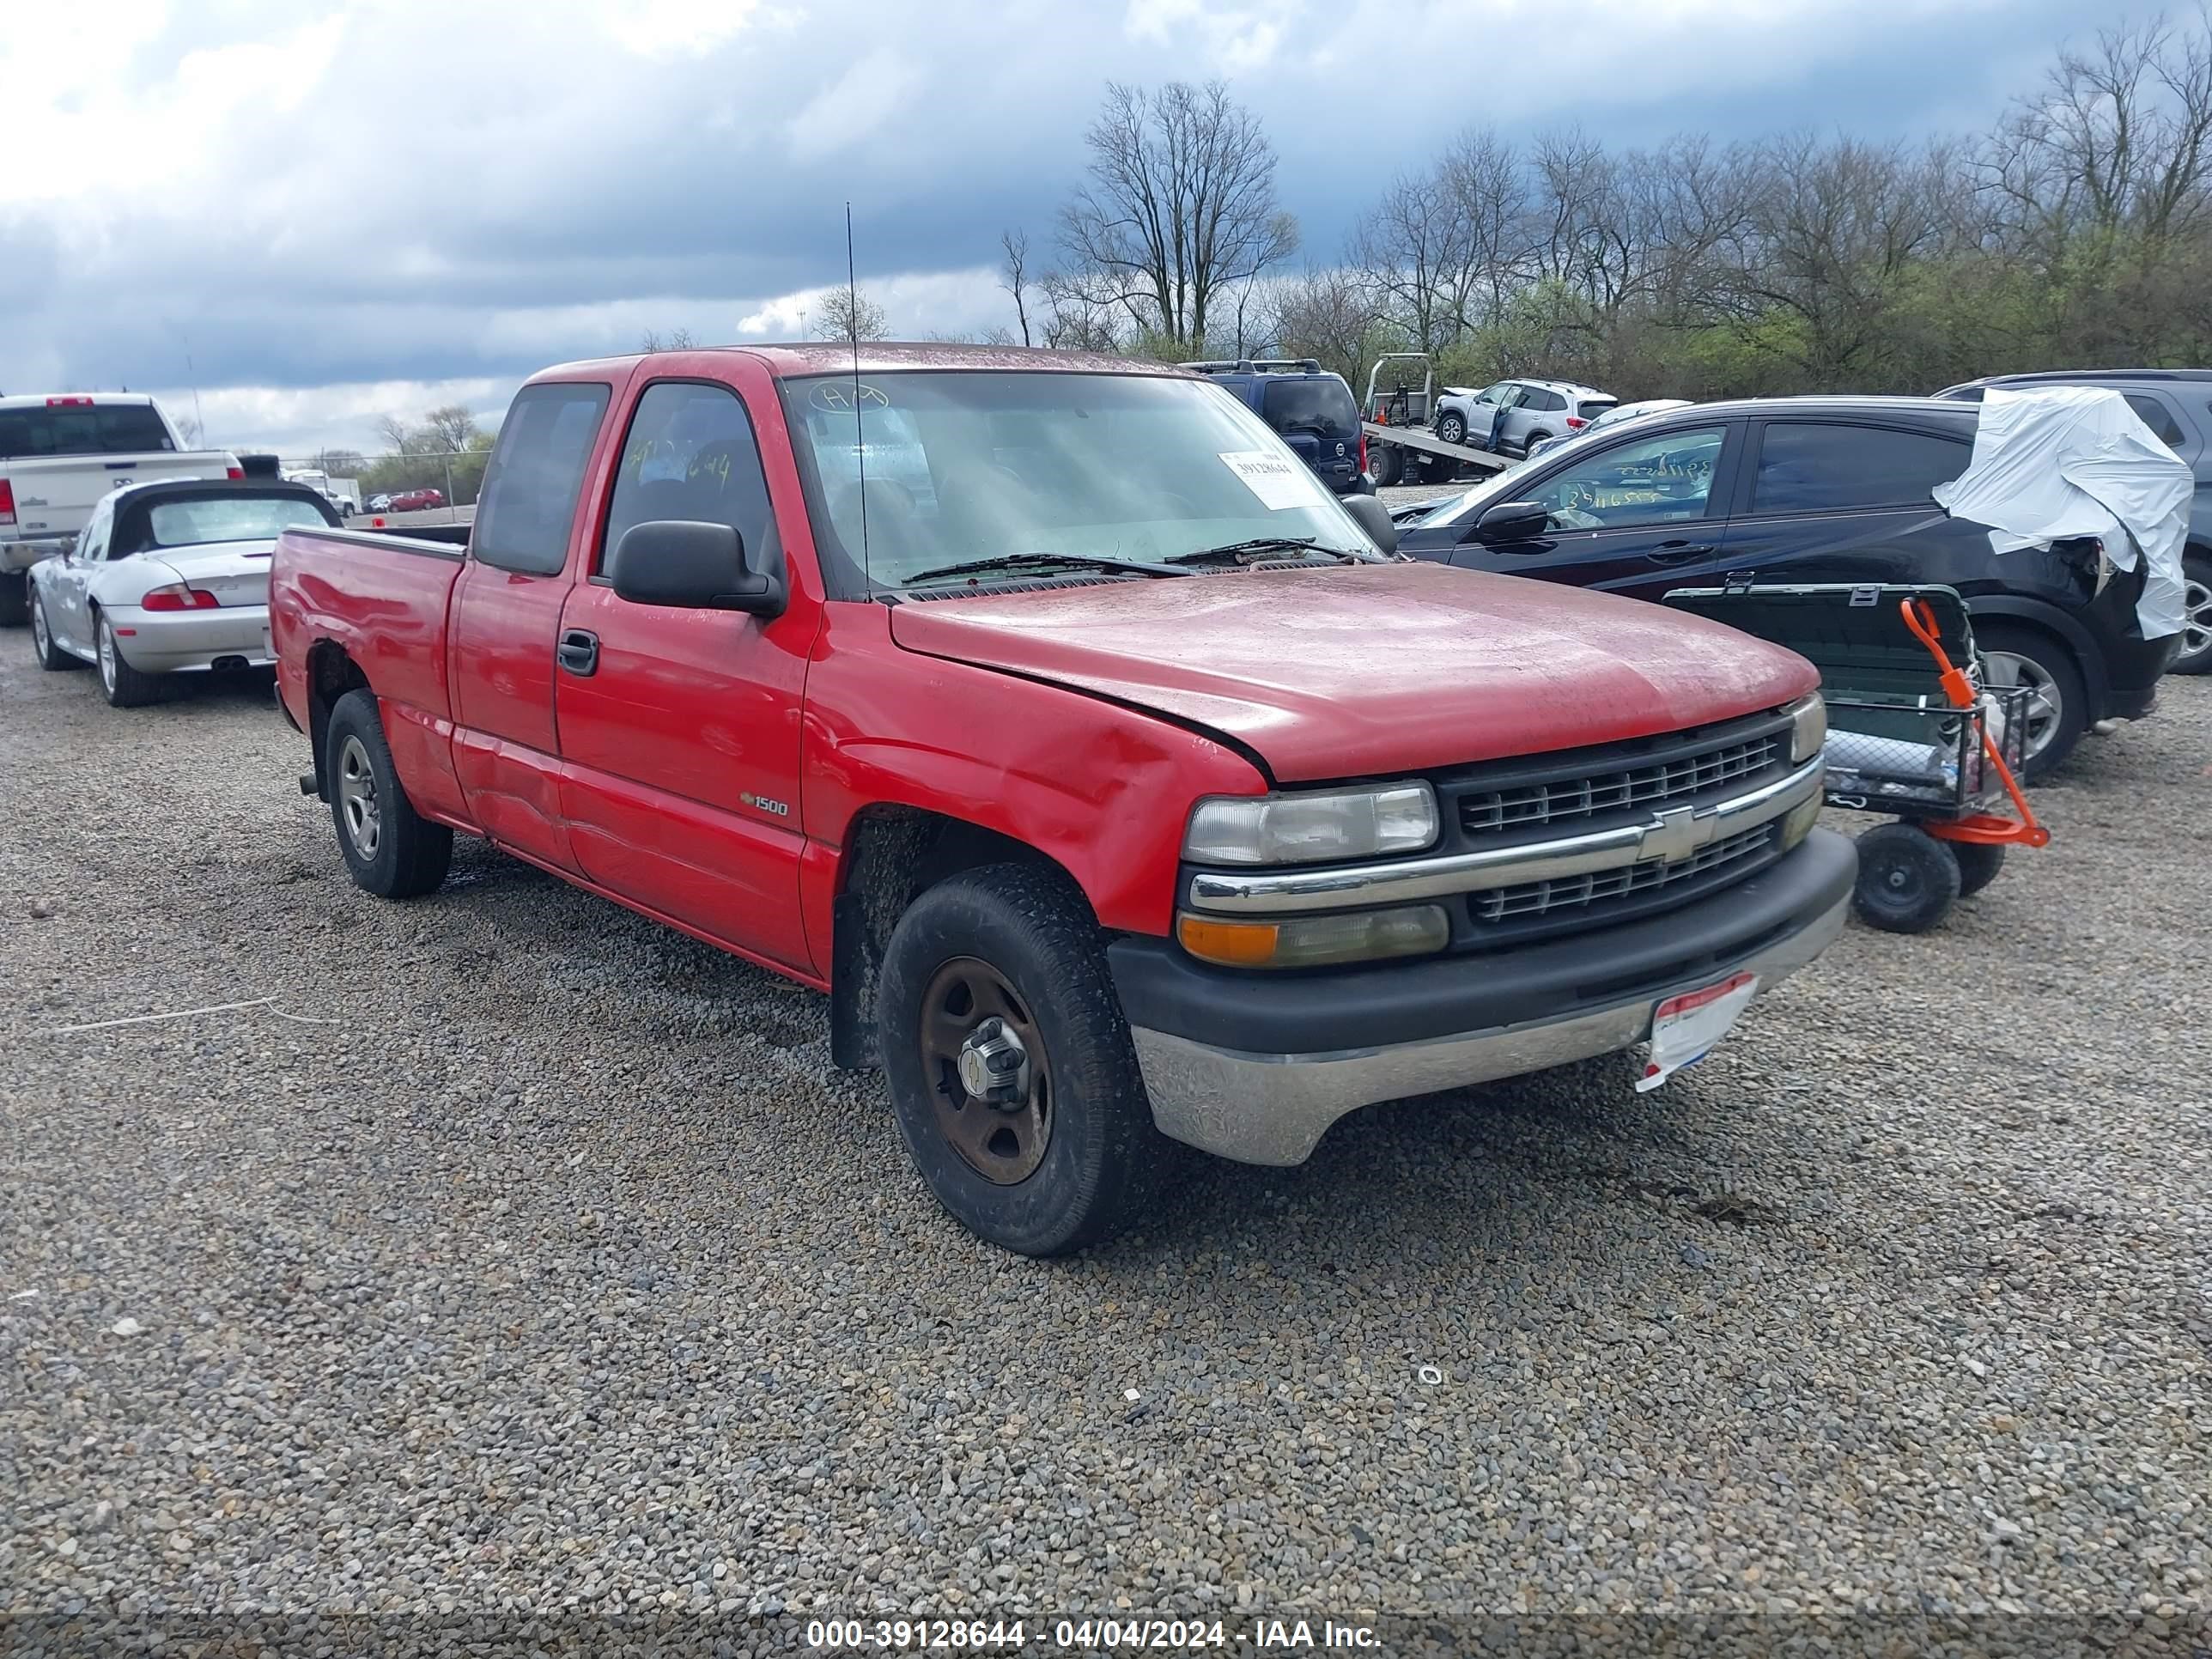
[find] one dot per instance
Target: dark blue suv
(1312, 409)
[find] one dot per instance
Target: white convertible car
(168, 577)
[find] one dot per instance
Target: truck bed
(380, 596)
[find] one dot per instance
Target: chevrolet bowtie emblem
(1676, 833)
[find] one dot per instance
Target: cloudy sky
(320, 212)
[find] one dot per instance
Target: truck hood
(1359, 670)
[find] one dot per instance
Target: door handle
(1679, 552)
(579, 653)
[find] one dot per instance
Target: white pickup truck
(60, 455)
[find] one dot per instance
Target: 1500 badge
(781, 809)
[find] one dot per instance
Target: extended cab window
(537, 471)
(1807, 467)
(1659, 480)
(690, 454)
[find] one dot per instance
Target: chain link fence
(435, 486)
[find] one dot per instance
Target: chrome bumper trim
(1274, 1108)
(1672, 833)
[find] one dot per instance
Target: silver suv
(1511, 416)
(2176, 404)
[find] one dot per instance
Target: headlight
(1313, 827)
(1313, 941)
(1803, 817)
(1808, 728)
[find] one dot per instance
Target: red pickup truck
(1116, 784)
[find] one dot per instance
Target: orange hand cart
(1912, 734)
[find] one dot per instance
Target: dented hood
(1358, 671)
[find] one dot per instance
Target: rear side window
(2157, 417)
(537, 471)
(690, 454)
(98, 429)
(1550, 402)
(1320, 402)
(1804, 467)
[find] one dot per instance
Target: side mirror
(687, 564)
(1511, 521)
(1374, 518)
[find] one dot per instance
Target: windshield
(83, 430)
(229, 519)
(965, 464)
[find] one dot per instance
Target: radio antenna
(859, 431)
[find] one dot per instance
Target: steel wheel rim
(357, 802)
(2045, 708)
(107, 656)
(2196, 617)
(1002, 1142)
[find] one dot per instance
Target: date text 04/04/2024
(1113, 1634)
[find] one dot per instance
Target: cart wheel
(1978, 864)
(1907, 878)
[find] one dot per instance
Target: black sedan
(1810, 489)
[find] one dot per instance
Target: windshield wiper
(1241, 551)
(1016, 561)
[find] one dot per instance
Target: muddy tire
(1012, 1074)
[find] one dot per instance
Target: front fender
(1103, 790)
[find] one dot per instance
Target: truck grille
(1663, 782)
(1596, 894)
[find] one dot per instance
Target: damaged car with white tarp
(2049, 513)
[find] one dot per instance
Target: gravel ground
(556, 1268)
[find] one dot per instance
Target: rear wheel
(1010, 1069)
(14, 598)
(1908, 880)
(50, 655)
(2058, 709)
(2196, 656)
(1978, 864)
(1385, 461)
(390, 849)
(126, 688)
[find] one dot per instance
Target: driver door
(68, 583)
(1639, 517)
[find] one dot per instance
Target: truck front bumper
(1256, 1067)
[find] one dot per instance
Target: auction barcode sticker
(1279, 481)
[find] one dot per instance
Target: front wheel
(2196, 656)
(50, 656)
(1908, 880)
(1452, 427)
(2058, 706)
(1010, 1066)
(390, 849)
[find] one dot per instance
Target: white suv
(1511, 416)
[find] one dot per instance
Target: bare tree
(677, 339)
(1075, 318)
(1336, 316)
(188, 429)
(1014, 245)
(849, 314)
(1181, 205)
(451, 428)
(394, 432)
